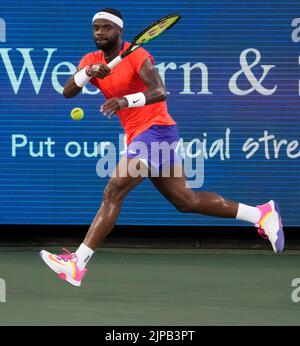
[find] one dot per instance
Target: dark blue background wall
(65, 190)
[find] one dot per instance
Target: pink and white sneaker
(65, 265)
(270, 226)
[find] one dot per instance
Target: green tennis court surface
(153, 287)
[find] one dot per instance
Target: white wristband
(81, 78)
(136, 100)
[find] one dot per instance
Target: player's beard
(107, 44)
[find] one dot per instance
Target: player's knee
(186, 204)
(183, 207)
(114, 192)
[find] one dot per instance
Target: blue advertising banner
(232, 70)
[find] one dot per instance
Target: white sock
(247, 213)
(84, 254)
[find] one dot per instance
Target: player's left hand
(111, 106)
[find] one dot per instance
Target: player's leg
(116, 190)
(266, 217)
(71, 266)
(187, 200)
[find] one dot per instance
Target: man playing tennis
(135, 92)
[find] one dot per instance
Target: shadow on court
(153, 287)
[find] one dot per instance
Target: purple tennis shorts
(156, 146)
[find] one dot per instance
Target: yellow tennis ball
(77, 113)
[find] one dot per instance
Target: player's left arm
(156, 91)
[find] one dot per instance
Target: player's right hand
(99, 71)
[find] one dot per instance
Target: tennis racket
(150, 33)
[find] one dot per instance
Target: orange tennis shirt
(125, 80)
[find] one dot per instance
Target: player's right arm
(76, 82)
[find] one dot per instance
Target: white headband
(108, 16)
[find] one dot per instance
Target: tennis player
(135, 92)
